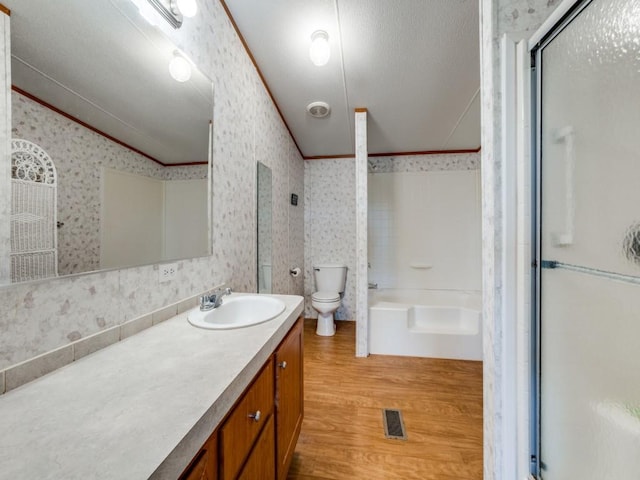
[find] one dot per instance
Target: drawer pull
(283, 365)
(255, 416)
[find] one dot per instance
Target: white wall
(185, 219)
(143, 219)
(132, 219)
(424, 230)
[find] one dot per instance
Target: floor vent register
(393, 424)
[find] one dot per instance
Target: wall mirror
(131, 146)
(264, 209)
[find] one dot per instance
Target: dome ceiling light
(173, 11)
(180, 68)
(318, 109)
(187, 8)
(320, 50)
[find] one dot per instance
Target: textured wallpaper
(424, 163)
(330, 228)
(38, 317)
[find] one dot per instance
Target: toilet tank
(330, 278)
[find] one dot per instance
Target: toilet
(330, 281)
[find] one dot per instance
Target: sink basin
(238, 312)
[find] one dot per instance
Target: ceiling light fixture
(320, 50)
(180, 68)
(172, 11)
(188, 8)
(318, 109)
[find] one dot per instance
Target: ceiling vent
(318, 109)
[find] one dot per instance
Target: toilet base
(326, 326)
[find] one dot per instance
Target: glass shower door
(589, 240)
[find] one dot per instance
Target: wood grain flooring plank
(342, 434)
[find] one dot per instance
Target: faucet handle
(205, 302)
(228, 291)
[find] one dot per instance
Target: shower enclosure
(588, 285)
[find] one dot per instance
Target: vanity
(173, 401)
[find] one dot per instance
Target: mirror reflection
(130, 146)
(264, 209)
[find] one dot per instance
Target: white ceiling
(414, 64)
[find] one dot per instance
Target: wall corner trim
(5, 10)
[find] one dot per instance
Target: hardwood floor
(342, 434)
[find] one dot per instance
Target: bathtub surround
(519, 19)
(424, 255)
(424, 230)
(40, 317)
(426, 323)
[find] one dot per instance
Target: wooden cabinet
(289, 397)
(257, 439)
(261, 465)
(204, 466)
(245, 422)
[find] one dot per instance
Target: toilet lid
(325, 296)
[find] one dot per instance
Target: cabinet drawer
(243, 426)
(262, 462)
(204, 466)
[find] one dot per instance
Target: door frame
(566, 12)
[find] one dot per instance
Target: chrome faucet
(212, 300)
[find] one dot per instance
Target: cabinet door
(261, 462)
(245, 422)
(289, 396)
(204, 465)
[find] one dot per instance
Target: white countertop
(138, 409)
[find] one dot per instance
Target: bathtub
(426, 323)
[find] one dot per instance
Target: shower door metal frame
(562, 17)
